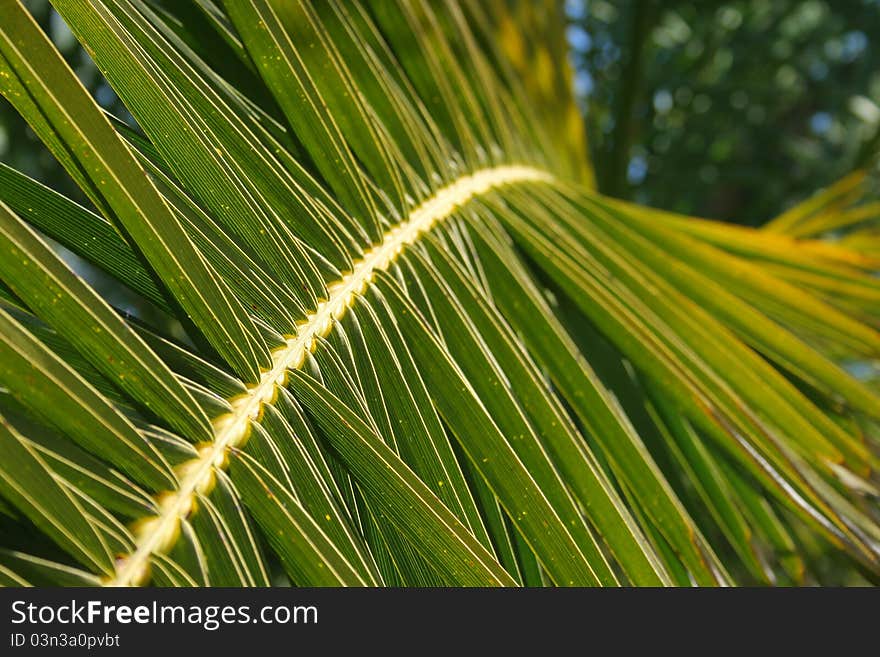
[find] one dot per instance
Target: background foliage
(730, 110)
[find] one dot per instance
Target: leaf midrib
(196, 476)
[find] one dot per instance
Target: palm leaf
(383, 332)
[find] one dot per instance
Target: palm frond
(384, 332)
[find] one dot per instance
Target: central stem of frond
(159, 533)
